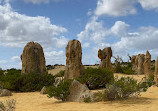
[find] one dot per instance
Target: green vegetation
(127, 86)
(120, 89)
(96, 78)
(153, 68)
(128, 69)
(87, 99)
(61, 91)
(146, 83)
(60, 74)
(15, 81)
(120, 67)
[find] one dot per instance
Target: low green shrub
(146, 83)
(1, 72)
(153, 68)
(13, 71)
(118, 68)
(128, 86)
(128, 70)
(96, 78)
(61, 91)
(121, 89)
(99, 96)
(60, 74)
(87, 99)
(16, 81)
(33, 82)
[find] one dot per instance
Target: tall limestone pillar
(74, 67)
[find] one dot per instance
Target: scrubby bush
(99, 96)
(1, 72)
(153, 68)
(128, 70)
(61, 91)
(33, 82)
(117, 65)
(96, 78)
(9, 105)
(121, 89)
(121, 67)
(146, 83)
(87, 99)
(60, 74)
(8, 79)
(16, 81)
(13, 71)
(128, 86)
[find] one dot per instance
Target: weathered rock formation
(43, 90)
(5, 92)
(140, 58)
(105, 56)
(33, 60)
(78, 92)
(133, 61)
(147, 64)
(74, 67)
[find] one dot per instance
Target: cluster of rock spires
(33, 61)
(142, 64)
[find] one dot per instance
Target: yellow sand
(37, 102)
(34, 101)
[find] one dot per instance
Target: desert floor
(34, 101)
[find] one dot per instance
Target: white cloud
(145, 39)
(149, 4)
(120, 28)
(115, 7)
(3, 61)
(94, 31)
(86, 45)
(18, 29)
(61, 42)
(55, 57)
(16, 59)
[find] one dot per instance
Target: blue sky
(128, 26)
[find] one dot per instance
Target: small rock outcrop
(147, 64)
(43, 90)
(78, 92)
(140, 58)
(5, 92)
(105, 56)
(33, 60)
(74, 67)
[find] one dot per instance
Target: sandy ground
(59, 68)
(34, 101)
(37, 102)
